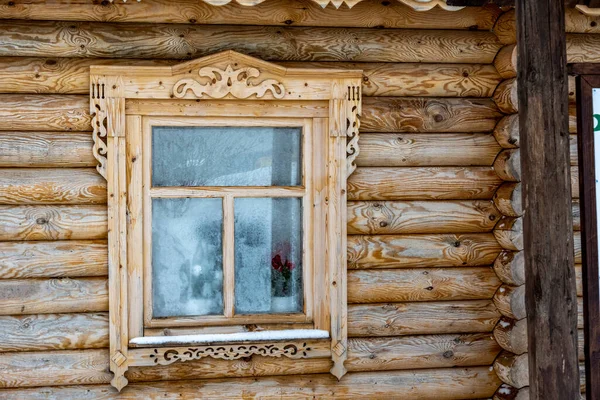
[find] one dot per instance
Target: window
(227, 209)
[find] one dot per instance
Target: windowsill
(208, 339)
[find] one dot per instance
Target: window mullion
(228, 255)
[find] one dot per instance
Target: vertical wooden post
(548, 226)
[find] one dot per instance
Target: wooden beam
(548, 226)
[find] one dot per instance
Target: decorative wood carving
(220, 83)
(352, 126)
(99, 125)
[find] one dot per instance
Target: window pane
(187, 257)
(268, 255)
(226, 156)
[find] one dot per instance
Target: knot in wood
(448, 354)
(41, 221)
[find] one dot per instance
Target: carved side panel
(353, 111)
(99, 124)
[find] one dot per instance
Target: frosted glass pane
(187, 257)
(268, 255)
(226, 156)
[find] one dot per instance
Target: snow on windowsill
(207, 339)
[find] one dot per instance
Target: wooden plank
(55, 259)
(446, 383)
(49, 296)
(423, 183)
(370, 13)
(398, 319)
(583, 48)
(51, 186)
(46, 149)
(421, 150)
(402, 217)
(550, 276)
(45, 222)
(110, 40)
(53, 332)
(30, 112)
(573, 150)
(421, 284)
(71, 76)
(410, 251)
(62, 367)
(422, 114)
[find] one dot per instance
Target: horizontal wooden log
(580, 345)
(368, 14)
(49, 296)
(507, 392)
(505, 28)
(54, 259)
(573, 150)
(402, 217)
(513, 369)
(583, 48)
(577, 246)
(507, 132)
(51, 186)
(506, 61)
(45, 222)
(46, 149)
(576, 215)
(421, 284)
(511, 335)
(53, 332)
(572, 118)
(44, 112)
(507, 199)
(578, 22)
(421, 150)
(506, 96)
(398, 319)
(510, 301)
(62, 367)
(445, 383)
(575, 182)
(510, 267)
(423, 183)
(509, 233)
(421, 114)
(110, 40)
(579, 280)
(71, 76)
(508, 165)
(410, 251)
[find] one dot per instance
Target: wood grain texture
(53, 259)
(51, 186)
(397, 319)
(506, 61)
(421, 284)
(506, 96)
(46, 149)
(573, 150)
(110, 40)
(422, 150)
(49, 296)
(576, 215)
(372, 13)
(510, 301)
(422, 114)
(583, 48)
(402, 217)
(513, 369)
(30, 112)
(509, 233)
(508, 199)
(423, 183)
(510, 267)
(53, 332)
(508, 165)
(507, 132)
(505, 27)
(511, 335)
(45, 222)
(448, 383)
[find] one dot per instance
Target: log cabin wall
(424, 297)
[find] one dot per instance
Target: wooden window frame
(588, 78)
(125, 102)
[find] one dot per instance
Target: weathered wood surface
(511, 335)
(44, 112)
(509, 233)
(46, 149)
(71, 76)
(397, 319)
(506, 97)
(110, 40)
(576, 215)
(52, 186)
(368, 14)
(419, 149)
(46, 222)
(507, 392)
(402, 217)
(513, 369)
(508, 199)
(423, 183)
(577, 246)
(449, 384)
(421, 284)
(410, 251)
(48, 296)
(506, 61)
(53, 259)
(510, 301)
(422, 114)
(53, 332)
(510, 267)
(507, 132)
(573, 150)
(508, 165)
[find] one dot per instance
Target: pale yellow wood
(509, 233)
(222, 320)
(506, 61)
(510, 267)
(228, 255)
(246, 191)
(512, 335)
(309, 270)
(513, 369)
(510, 301)
(508, 199)
(147, 217)
(506, 96)
(223, 329)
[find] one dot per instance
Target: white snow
(204, 339)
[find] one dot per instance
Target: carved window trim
(220, 85)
